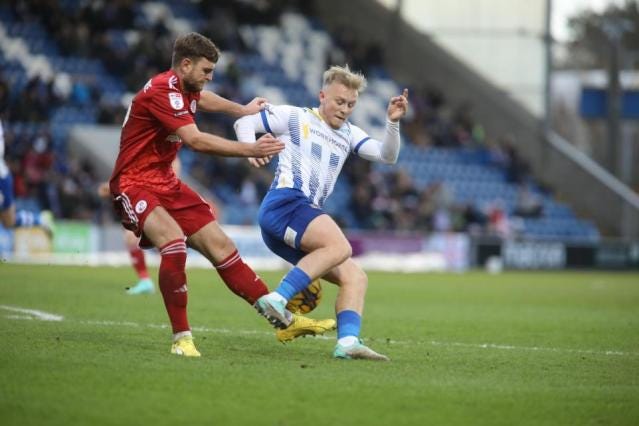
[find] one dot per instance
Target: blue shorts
(6, 192)
(283, 217)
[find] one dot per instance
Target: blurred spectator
(37, 169)
(4, 97)
(474, 220)
(35, 102)
(516, 167)
(528, 204)
(78, 196)
(498, 223)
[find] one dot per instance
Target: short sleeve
(275, 118)
(170, 108)
(358, 139)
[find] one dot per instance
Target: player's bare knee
(342, 252)
(161, 235)
(360, 277)
(172, 236)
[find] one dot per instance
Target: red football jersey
(148, 143)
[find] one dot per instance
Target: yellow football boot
(184, 346)
(302, 326)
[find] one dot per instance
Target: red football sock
(241, 279)
(173, 283)
(138, 262)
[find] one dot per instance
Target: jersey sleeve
(275, 118)
(385, 151)
(272, 119)
(363, 145)
(170, 108)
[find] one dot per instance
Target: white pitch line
(35, 314)
(530, 348)
(44, 316)
(200, 329)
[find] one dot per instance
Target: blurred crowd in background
(379, 199)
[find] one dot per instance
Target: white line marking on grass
(34, 314)
(528, 348)
(51, 317)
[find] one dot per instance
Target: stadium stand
(74, 62)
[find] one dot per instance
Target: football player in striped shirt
(293, 224)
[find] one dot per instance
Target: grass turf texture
(516, 348)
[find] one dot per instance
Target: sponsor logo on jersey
(337, 144)
(140, 206)
(193, 106)
(179, 113)
(176, 101)
(173, 138)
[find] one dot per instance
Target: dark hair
(194, 46)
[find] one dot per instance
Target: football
(306, 300)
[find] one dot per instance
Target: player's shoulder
(352, 131)
(164, 87)
(280, 110)
(161, 83)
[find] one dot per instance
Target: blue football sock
(348, 324)
(295, 281)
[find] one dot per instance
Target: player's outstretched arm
(386, 150)
(212, 102)
(397, 107)
(211, 144)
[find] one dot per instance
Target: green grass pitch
(510, 349)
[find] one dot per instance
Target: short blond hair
(344, 75)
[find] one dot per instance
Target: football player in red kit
(157, 206)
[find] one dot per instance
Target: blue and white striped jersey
(314, 154)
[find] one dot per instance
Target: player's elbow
(244, 130)
(390, 158)
(239, 124)
(195, 141)
(191, 136)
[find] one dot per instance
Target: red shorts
(184, 205)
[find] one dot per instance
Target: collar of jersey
(317, 114)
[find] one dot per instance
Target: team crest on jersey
(193, 106)
(176, 100)
(140, 206)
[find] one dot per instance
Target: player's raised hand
(259, 162)
(255, 106)
(266, 146)
(398, 106)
